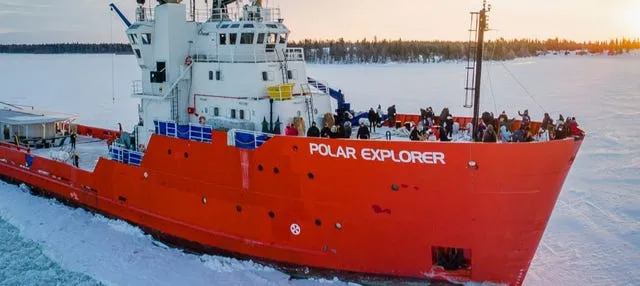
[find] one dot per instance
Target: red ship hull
(372, 212)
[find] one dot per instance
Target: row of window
(146, 38)
(233, 113)
(248, 38)
(266, 76)
(237, 25)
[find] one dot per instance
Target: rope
(113, 83)
(523, 87)
(493, 96)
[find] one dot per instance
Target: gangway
(335, 94)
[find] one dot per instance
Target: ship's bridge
(245, 42)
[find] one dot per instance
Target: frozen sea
(593, 237)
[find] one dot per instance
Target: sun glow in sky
(37, 21)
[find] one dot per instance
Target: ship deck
(89, 150)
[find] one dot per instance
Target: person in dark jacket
(526, 119)
(490, 135)
(373, 120)
(313, 131)
(326, 131)
(76, 160)
(335, 132)
(73, 138)
(363, 132)
(546, 121)
(449, 126)
(503, 118)
(347, 130)
(518, 135)
(391, 111)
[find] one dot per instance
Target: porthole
(272, 214)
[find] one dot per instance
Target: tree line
(381, 51)
(384, 51)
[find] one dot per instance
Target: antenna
(482, 27)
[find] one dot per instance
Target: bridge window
(137, 53)
(133, 38)
(223, 39)
(283, 38)
(271, 39)
(246, 38)
(247, 26)
(233, 37)
(274, 26)
(260, 38)
(234, 26)
(146, 39)
(224, 26)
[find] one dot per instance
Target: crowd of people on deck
(443, 127)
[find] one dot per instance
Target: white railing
(136, 87)
(255, 55)
(144, 14)
(250, 13)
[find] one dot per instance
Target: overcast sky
(45, 21)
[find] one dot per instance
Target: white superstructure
(215, 67)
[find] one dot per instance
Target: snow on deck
(89, 150)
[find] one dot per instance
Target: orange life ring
(202, 119)
(188, 61)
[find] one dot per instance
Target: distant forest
(384, 51)
(381, 51)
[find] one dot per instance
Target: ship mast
(481, 28)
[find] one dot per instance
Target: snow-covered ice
(593, 237)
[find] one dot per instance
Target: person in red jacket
(291, 130)
(573, 127)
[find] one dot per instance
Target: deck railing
(251, 55)
(247, 139)
(230, 13)
(118, 152)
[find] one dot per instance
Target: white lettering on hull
(380, 155)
